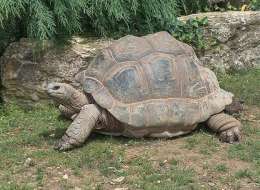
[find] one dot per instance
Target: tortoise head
(60, 92)
(66, 95)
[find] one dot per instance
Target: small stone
(123, 188)
(163, 162)
(112, 168)
(112, 183)
(65, 176)
(211, 184)
(118, 180)
(77, 188)
(28, 162)
(34, 97)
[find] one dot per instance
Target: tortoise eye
(56, 87)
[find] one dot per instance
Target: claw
(63, 144)
(231, 135)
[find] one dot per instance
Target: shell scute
(130, 48)
(165, 43)
(126, 85)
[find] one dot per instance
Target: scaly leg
(227, 127)
(80, 129)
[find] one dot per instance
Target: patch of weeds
(174, 162)
(191, 31)
(191, 142)
(236, 185)
(202, 140)
(246, 151)
(39, 176)
(244, 84)
(107, 157)
(245, 173)
(14, 186)
(66, 185)
(250, 174)
(205, 166)
(249, 130)
(99, 187)
(221, 168)
(89, 185)
(150, 177)
(103, 155)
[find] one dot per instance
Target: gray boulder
(236, 39)
(26, 70)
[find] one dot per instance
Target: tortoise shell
(153, 80)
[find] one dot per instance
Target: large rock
(237, 36)
(25, 70)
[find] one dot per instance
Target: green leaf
(204, 21)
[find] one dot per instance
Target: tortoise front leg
(227, 127)
(80, 129)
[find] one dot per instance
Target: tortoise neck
(75, 101)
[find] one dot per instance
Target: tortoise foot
(231, 136)
(65, 144)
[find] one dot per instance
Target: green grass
(221, 168)
(14, 186)
(151, 177)
(243, 174)
(245, 85)
(202, 141)
(32, 134)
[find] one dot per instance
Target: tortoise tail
(222, 122)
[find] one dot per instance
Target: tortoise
(150, 86)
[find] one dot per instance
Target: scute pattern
(165, 43)
(130, 48)
(125, 85)
(154, 80)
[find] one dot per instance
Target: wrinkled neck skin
(74, 100)
(77, 100)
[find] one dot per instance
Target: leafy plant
(44, 19)
(255, 5)
(188, 7)
(191, 31)
(50, 19)
(118, 17)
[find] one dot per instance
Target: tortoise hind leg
(227, 127)
(80, 128)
